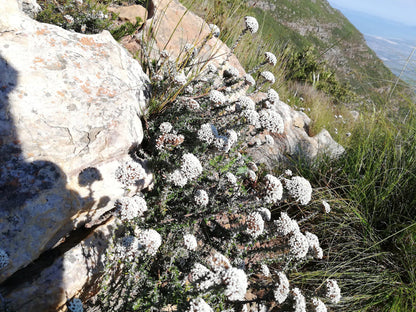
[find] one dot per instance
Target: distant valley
(393, 42)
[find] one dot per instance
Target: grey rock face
(70, 108)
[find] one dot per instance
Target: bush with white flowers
(243, 215)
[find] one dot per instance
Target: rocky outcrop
(70, 108)
(170, 26)
(295, 141)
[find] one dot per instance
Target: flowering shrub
(203, 233)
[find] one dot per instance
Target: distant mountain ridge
(378, 26)
(393, 42)
(317, 23)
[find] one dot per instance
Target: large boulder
(171, 26)
(70, 107)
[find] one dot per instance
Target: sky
(402, 11)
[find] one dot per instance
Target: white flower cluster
(217, 97)
(75, 305)
(270, 58)
(169, 139)
(231, 140)
(150, 240)
(4, 259)
(299, 300)
(268, 76)
(319, 305)
(244, 102)
(251, 116)
(235, 280)
(131, 207)
(298, 244)
(191, 168)
(206, 134)
(180, 79)
(220, 142)
(177, 178)
(300, 189)
(190, 242)
(129, 173)
(274, 189)
(251, 24)
(333, 292)
(285, 225)
(192, 104)
(248, 79)
(255, 224)
(265, 270)
(314, 246)
(288, 172)
(282, 288)
(201, 198)
(127, 247)
(327, 207)
(203, 277)
(272, 96)
(165, 127)
(271, 120)
(199, 305)
(231, 178)
(236, 284)
(215, 30)
(265, 214)
(209, 134)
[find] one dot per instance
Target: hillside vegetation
(368, 237)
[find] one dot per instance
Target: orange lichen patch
(52, 42)
(55, 66)
(77, 65)
(105, 91)
(42, 31)
(77, 79)
(38, 60)
(61, 93)
(85, 88)
(64, 42)
(30, 155)
(98, 75)
(102, 53)
(89, 42)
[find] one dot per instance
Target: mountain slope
(305, 22)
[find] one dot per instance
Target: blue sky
(403, 11)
